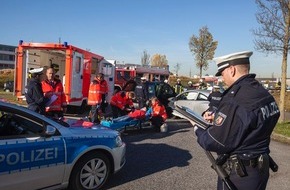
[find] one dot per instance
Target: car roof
(206, 92)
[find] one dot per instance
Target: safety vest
(51, 88)
(96, 91)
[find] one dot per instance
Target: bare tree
(176, 68)
(203, 47)
(145, 59)
(273, 36)
(159, 60)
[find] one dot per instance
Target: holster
(238, 166)
(263, 163)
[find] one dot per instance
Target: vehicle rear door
(77, 75)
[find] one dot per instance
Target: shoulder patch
(219, 119)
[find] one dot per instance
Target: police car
(39, 153)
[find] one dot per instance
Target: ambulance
(74, 66)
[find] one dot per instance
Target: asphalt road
(174, 160)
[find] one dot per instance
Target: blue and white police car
(39, 153)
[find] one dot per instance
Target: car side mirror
(50, 131)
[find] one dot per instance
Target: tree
(176, 68)
(273, 36)
(203, 48)
(145, 59)
(158, 60)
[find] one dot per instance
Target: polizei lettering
(269, 110)
(14, 158)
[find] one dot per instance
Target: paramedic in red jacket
(158, 114)
(97, 95)
(53, 89)
(121, 103)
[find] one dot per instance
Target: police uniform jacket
(244, 120)
(141, 91)
(34, 96)
(214, 98)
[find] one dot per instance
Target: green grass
(283, 129)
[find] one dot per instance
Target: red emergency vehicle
(76, 68)
(126, 72)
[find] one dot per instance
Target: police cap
(36, 71)
(238, 58)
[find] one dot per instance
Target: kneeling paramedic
(241, 125)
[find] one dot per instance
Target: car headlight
(119, 141)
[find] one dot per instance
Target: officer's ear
(233, 70)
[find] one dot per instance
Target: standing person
(214, 98)
(53, 88)
(141, 93)
(97, 96)
(33, 92)
(242, 125)
(178, 87)
(157, 114)
(122, 103)
(190, 86)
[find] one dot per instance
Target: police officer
(33, 92)
(242, 125)
(214, 98)
(141, 93)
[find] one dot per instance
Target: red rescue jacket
(158, 109)
(54, 88)
(121, 99)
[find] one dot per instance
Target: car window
(192, 96)
(13, 125)
(201, 97)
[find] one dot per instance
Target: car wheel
(91, 172)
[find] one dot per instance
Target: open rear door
(77, 76)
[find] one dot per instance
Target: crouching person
(122, 103)
(157, 114)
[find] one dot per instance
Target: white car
(41, 153)
(195, 100)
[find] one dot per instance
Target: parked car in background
(8, 86)
(41, 153)
(195, 100)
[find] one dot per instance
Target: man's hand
(208, 116)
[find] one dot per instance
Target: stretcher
(133, 120)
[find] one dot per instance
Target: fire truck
(127, 72)
(75, 68)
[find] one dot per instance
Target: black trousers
(254, 181)
(117, 112)
(157, 121)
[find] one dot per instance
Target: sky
(123, 29)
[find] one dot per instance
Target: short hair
(245, 68)
(131, 94)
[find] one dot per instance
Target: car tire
(86, 175)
